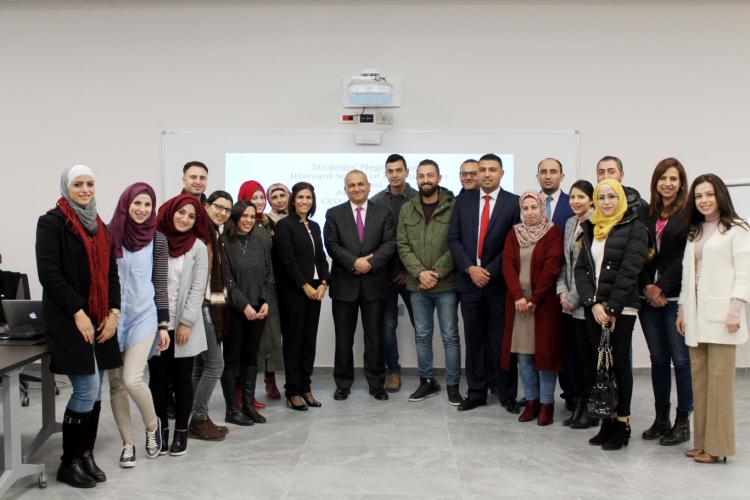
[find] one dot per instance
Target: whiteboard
(212, 148)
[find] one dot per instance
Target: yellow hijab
(603, 223)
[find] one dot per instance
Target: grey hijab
(86, 215)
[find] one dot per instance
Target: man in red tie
(479, 224)
(360, 239)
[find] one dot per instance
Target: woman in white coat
(715, 289)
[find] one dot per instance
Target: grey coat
(566, 282)
(191, 291)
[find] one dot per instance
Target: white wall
(97, 82)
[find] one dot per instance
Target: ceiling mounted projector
(370, 89)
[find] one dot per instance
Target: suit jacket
(294, 251)
(464, 233)
(562, 212)
(342, 243)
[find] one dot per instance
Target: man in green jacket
(422, 241)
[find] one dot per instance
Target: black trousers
(621, 340)
(567, 376)
(483, 315)
(576, 333)
(299, 331)
(345, 324)
(242, 342)
(161, 369)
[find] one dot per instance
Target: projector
(369, 89)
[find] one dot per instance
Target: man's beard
(428, 192)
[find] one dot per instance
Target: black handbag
(603, 398)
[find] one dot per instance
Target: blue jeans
(424, 305)
(87, 390)
(537, 385)
(390, 324)
(666, 345)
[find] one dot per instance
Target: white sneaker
(153, 441)
(127, 456)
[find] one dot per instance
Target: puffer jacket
(624, 254)
(424, 245)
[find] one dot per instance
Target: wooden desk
(13, 358)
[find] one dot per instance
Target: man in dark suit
(557, 202)
(359, 237)
(479, 224)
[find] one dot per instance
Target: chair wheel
(25, 401)
(42, 480)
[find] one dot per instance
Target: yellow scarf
(604, 223)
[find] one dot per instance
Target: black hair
(219, 194)
(585, 186)
(194, 164)
(230, 227)
(727, 215)
(470, 160)
(492, 157)
(295, 191)
(427, 161)
(559, 163)
(611, 158)
(396, 157)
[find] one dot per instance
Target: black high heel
(619, 436)
(312, 402)
(289, 404)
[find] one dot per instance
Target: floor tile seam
(613, 464)
(299, 457)
(452, 449)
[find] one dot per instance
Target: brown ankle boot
(202, 429)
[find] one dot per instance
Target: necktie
(549, 207)
(484, 221)
(360, 225)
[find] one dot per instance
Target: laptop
(24, 319)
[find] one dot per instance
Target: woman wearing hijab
(181, 220)
(574, 323)
(81, 305)
(142, 262)
(615, 244)
(715, 292)
(248, 290)
(532, 258)
(270, 354)
(278, 196)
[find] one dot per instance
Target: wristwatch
(116, 312)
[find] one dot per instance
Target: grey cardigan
(191, 291)
(566, 282)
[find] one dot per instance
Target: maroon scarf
(123, 230)
(181, 243)
(97, 248)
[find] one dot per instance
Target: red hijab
(125, 232)
(181, 243)
(248, 189)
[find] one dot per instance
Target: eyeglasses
(468, 174)
(220, 208)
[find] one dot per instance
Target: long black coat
(624, 254)
(63, 271)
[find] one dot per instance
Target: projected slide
(326, 171)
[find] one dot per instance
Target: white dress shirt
(354, 211)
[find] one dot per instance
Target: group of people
(207, 290)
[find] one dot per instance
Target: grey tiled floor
(363, 448)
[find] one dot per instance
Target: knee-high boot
(229, 388)
(249, 374)
(71, 469)
(89, 440)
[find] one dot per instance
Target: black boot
(604, 432)
(89, 440)
(249, 374)
(179, 443)
(229, 388)
(584, 421)
(680, 432)
(71, 469)
(661, 423)
(164, 441)
(579, 409)
(619, 436)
